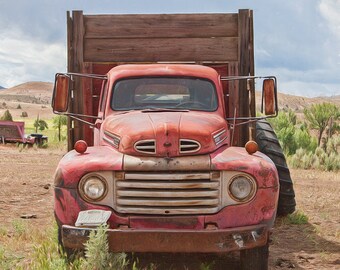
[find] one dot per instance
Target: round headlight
(93, 187)
(242, 188)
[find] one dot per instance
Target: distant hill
(298, 103)
(33, 98)
(1, 87)
(30, 92)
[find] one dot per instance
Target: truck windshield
(164, 93)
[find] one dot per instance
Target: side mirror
(61, 93)
(269, 97)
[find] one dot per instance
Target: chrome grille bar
(177, 193)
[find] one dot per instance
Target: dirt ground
(26, 183)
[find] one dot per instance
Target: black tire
(255, 258)
(270, 146)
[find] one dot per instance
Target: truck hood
(165, 133)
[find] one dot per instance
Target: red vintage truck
(168, 150)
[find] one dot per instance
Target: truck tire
(270, 146)
(255, 258)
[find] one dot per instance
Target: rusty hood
(165, 133)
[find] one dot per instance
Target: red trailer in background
(14, 132)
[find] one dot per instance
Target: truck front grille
(188, 146)
(168, 194)
(146, 146)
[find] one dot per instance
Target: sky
(296, 40)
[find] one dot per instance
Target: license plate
(92, 218)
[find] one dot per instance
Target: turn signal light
(251, 147)
(80, 146)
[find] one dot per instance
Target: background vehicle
(169, 119)
(14, 132)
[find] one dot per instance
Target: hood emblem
(167, 144)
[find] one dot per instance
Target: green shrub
(332, 162)
(320, 159)
(7, 116)
(304, 140)
(297, 218)
(98, 255)
(318, 117)
(19, 227)
(284, 126)
(7, 260)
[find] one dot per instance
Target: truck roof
(132, 70)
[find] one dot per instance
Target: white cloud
(311, 83)
(309, 89)
(330, 10)
(25, 59)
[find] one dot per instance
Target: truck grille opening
(168, 194)
(188, 146)
(146, 146)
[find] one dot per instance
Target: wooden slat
(161, 25)
(159, 49)
(77, 45)
(70, 61)
(245, 63)
(75, 64)
(252, 126)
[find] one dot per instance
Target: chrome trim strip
(115, 139)
(185, 163)
(110, 142)
(220, 133)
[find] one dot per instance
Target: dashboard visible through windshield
(164, 93)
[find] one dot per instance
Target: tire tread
(270, 146)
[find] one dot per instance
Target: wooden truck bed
(96, 43)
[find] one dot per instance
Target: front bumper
(186, 241)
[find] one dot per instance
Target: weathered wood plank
(245, 63)
(161, 49)
(161, 25)
(252, 126)
(70, 135)
(77, 46)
